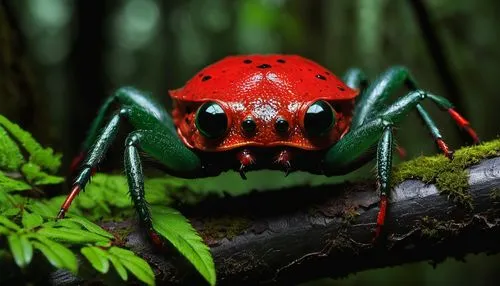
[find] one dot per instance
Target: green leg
(355, 78)
(156, 144)
(360, 141)
(373, 100)
(123, 96)
(384, 168)
(175, 156)
(378, 92)
(434, 130)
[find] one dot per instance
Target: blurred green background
(61, 58)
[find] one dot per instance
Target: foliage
(43, 157)
(173, 226)
(27, 225)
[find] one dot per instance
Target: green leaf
(31, 220)
(21, 249)
(112, 189)
(11, 157)
(8, 223)
(11, 212)
(120, 269)
(90, 226)
(71, 235)
(44, 157)
(159, 190)
(51, 256)
(28, 248)
(8, 184)
(172, 225)
(97, 257)
(3, 197)
(59, 253)
(4, 230)
(138, 266)
(41, 208)
(63, 223)
(36, 176)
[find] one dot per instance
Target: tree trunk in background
(89, 89)
(17, 91)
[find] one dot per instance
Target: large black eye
(319, 118)
(211, 120)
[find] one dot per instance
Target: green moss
(449, 176)
(224, 227)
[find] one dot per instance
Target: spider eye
(319, 118)
(211, 120)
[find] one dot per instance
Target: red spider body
(264, 87)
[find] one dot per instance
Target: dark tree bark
(303, 233)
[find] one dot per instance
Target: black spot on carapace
(341, 88)
(205, 78)
(318, 76)
(247, 61)
(200, 75)
(264, 66)
(281, 61)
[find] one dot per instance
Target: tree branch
(302, 233)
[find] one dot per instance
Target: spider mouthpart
(284, 159)
(246, 159)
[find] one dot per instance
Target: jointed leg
(434, 131)
(123, 96)
(359, 141)
(142, 115)
(384, 169)
(354, 144)
(356, 78)
(94, 157)
(157, 145)
(373, 100)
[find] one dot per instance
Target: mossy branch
(302, 233)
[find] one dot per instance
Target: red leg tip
(444, 148)
(472, 134)
(381, 216)
(463, 123)
(69, 199)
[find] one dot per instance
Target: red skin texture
(265, 87)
